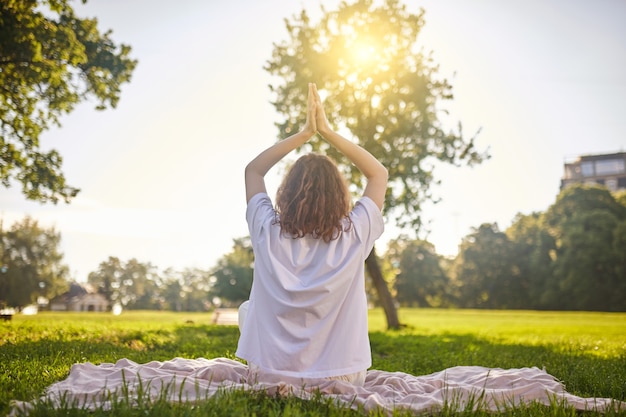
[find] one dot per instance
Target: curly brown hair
(313, 199)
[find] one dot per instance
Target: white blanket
(90, 385)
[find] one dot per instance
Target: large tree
(50, 60)
(382, 90)
(31, 264)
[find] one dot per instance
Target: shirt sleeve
(368, 222)
(258, 212)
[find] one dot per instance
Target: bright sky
(162, 175)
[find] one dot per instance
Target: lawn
(587, 351)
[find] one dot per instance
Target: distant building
(80, 297)
(608, 170)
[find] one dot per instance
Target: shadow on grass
(583, 374)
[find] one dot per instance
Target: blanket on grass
(180, 380)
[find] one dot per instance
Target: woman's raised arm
(257, 168)
(371, 168)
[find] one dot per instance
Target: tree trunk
(384, 296)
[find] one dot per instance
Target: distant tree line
(570, 257)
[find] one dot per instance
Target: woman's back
(308, 309)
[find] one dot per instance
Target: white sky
(162, 175)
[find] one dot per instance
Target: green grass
(587, 351)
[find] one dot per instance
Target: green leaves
(233, 273)
(31, 263)
(50, 60)
(420, 278)
(570, 257)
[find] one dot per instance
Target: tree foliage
(232, 276)
(570, 257)
(420, 280)
(133, 284)
(31, 264)
(187, 290)
(588, 225)
(484, 270)
(50, 60)
(533, 249)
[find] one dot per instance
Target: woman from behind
(307, 313)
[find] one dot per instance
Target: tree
(31, 264)
(232, 276)
(139, 289)
(587, 225)
(586, 262)
(187, 290)
(106, 279)
(582, 198)
(532, 251)
(381, 90)
(420, 279)
(485, 270)
(50, 60)
(619, 245)
(172, 292)
(620, 197)
(132, 284)
(195, 288)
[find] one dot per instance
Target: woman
(307, 313)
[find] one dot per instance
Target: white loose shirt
(307, 315)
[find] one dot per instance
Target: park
(584, 350)
(124, 139)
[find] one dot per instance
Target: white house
(80, 297)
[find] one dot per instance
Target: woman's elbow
(382, 174)
(252, 170)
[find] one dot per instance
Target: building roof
(76, 290)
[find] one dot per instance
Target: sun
(363, 52)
